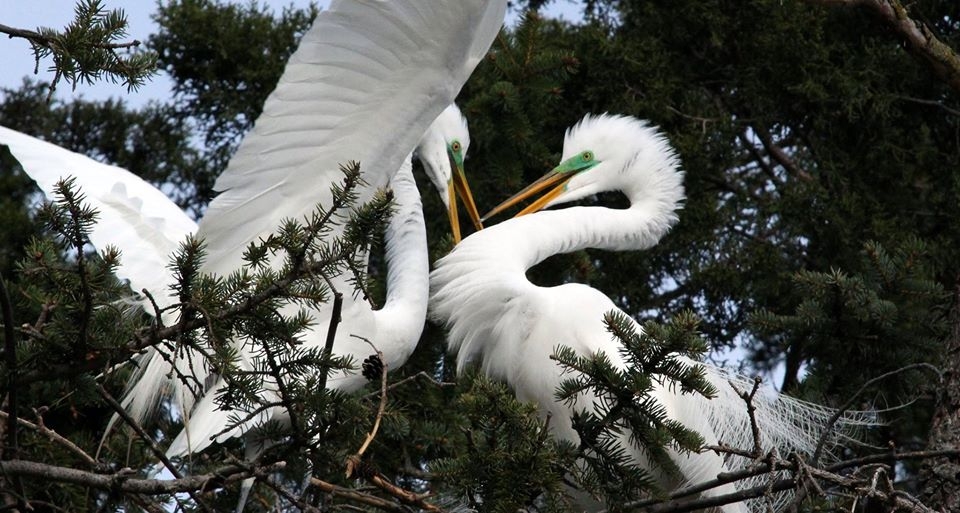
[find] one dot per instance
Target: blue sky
(16, 59)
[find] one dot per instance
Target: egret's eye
(587, 156)
(455, 146)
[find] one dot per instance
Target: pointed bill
(458, 186)
(555, 178)
(452, 213)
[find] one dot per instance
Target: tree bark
(917, 38)
(940, 477)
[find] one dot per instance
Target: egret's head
(442, 151)
(605, 153)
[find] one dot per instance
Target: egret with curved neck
(499, 320)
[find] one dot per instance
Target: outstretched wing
(134, 216)
(364, 84)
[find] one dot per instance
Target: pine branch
(86, 49)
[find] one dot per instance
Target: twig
(778, 154)
(405, 496)
(39, 39)
(151, 444)
(354, 460)
(355, 496)
(53, 436)
(828, 428)
(919, 39)
(421, 374)
(752, 413)
(283, 492)
(122, 482)
(331, 335)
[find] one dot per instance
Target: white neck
(402, 316)
(486, 273)
(519, 244)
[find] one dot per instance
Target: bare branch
(123, 481)
(53, 436)
(828, 428)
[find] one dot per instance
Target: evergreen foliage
(624, 404)
(819, 233)
(87, 49)
(509, 460)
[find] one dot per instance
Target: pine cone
(373, 368)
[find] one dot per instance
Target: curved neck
(484, 277)
(528, 240)
(401, 319)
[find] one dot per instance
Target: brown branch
(151, 444)
(122, 481)
(828, 428)
(38, 39)
(767, 466)
(331, 335)
(356, 496)
(918, 38)
(354, 460)
(405, 496)
(778, 154)
(421, 374)
(53, 436)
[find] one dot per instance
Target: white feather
(134, 216)
(510, 327)
(365, 83)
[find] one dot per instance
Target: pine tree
(819, 232)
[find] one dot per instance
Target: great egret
(364, 84)
(147, 225)
(397, 326)
(510, 327)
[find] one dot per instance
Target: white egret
(396, 327)
(364, 84)
(148, 227)
(510, 327)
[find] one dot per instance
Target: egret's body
(364, 84)
(510, 327)
(137, 217)
(395, 328)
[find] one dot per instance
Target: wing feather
(366, 81)
(135, 216)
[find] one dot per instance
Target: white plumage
(367, 79)
(134, 216)
(395, 328)
(365, 82)
(510, 327)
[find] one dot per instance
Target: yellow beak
(556, 179)
(458, 186)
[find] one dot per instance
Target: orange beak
(556, 179)
(458, 186)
